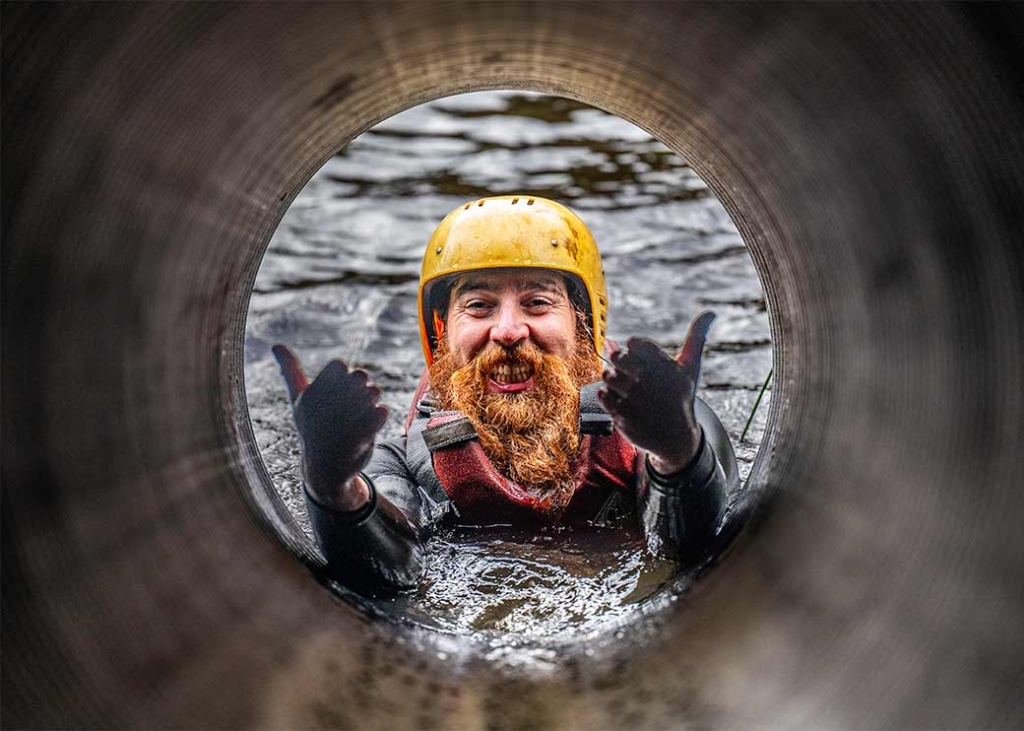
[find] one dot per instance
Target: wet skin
(649, 395)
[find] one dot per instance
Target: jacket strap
(593, 418)
(447, 429)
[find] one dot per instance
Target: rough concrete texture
(149, 152)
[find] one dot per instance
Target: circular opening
(339, 280)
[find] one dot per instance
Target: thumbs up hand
(650, 397)
(337, 417)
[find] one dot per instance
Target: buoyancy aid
(607, 464)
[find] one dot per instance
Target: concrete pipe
(872, 158)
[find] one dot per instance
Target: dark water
(339, 280)
(535, 584)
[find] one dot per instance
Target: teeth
(511, 374)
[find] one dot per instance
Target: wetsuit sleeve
(682, 512)
(380, 547)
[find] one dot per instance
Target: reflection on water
(339, 280)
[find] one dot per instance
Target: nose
(510, 328)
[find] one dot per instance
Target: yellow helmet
(512, 231)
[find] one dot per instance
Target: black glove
(337, 417)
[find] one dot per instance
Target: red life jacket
(606, 464)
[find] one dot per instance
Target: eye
(534, 303)
(477, 307)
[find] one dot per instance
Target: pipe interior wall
(872, 160)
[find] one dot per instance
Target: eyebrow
(482, 285)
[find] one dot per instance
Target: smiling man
(516, 420)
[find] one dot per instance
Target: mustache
(494, 355)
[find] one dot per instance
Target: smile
(505, 374)
(511, 378)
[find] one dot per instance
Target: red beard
(532, 436)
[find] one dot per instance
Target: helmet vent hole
(467, 206)
(529, 202)
(480, 203)
(515, 200)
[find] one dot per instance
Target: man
(515, 420)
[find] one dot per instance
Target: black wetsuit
(380, 547)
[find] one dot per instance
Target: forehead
(522, 279)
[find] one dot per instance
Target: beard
(532, 436)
